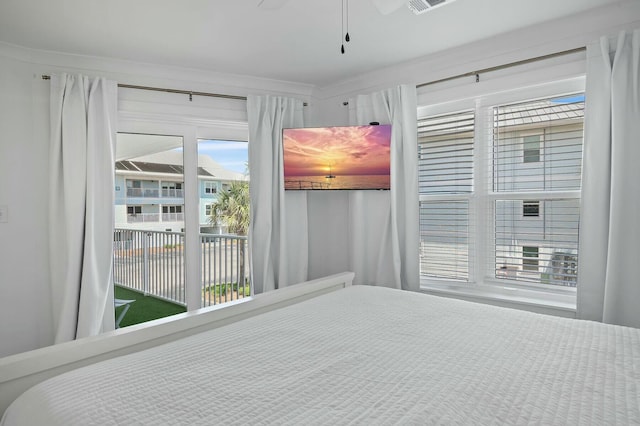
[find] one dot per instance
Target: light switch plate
(4, 214)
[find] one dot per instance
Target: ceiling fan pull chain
(346, 37)
(342, 26)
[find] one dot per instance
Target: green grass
(145, 308)
(218, 289)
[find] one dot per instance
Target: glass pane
(444, 239)
(542, 249)
(224, 220)
(537, 146)
(445, 153)
(149, 223)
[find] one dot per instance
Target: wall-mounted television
(330, 158)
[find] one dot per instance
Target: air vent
(421, 6)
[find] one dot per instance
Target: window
(500, 192)
(530, 258)
(134, 210)
(531, 208)
(210, 188)
(445, 169)
(171, 209)
(558, 123)
(224, 258)
(531, 149)
(172, 189)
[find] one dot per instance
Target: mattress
(362, 355)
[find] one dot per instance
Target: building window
(172, 189)
(207, 209)
(530, 258)
(531, 146)
(210, 187)
(475, 192)
(171, 209)
(531, 208)
(134, 210)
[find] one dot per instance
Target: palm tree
(232, 208)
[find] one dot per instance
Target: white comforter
(362, 355)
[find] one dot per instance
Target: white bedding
(362, 355)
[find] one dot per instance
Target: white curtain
(278, 237)
(384, 230)
(608, 287)
(83, 133)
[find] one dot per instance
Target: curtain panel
(384, 226)
(81, 206)
(608, 287)
(278, 233)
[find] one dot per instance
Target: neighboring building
(538, 149)
(150, 191)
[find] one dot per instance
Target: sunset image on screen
(353, 157)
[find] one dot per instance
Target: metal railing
(155, 193)
(152, 262)
(173, 217)
(225, 268)
(172, 193)
(143, 192)
(143, 217)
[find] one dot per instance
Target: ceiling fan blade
(387, 6)
(271, 4)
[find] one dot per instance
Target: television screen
(350, 157)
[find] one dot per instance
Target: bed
(358, 355)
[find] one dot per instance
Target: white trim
(181, 120)
(545, 303)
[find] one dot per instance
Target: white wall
(24, 293)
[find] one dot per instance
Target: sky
(353, 150)
(231, 155)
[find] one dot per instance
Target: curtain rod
(498, 67)
(179, 91)
(504, 66)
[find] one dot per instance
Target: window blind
(446, 171)
(540, 249)
(444, 239)
(537, 148)
(445, 150)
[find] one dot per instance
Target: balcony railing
(225, 268)
(152, 262)
(172, 193)
(155, 193)
(143, 217)
(143, 192)
(173, 217)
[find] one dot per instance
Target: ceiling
(296, 40)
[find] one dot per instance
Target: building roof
(170, 162)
